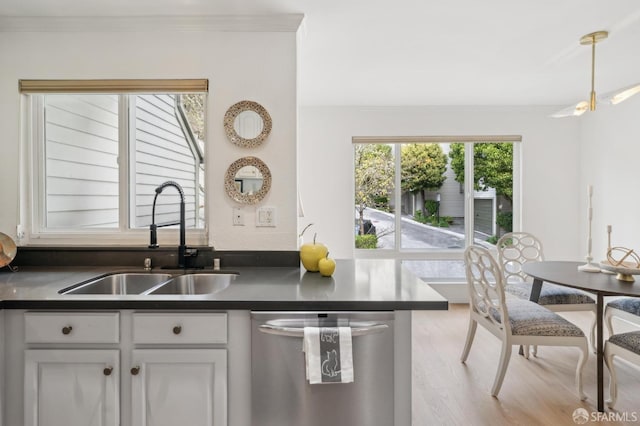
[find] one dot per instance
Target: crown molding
(221, 23)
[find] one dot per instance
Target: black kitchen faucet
(153, 243)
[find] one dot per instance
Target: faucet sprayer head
(170, 183)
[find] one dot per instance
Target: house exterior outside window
(425, 199)
(96, 157)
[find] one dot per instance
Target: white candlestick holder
(589, 266)
(605, 271)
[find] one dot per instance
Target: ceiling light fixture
(612, 98)
(591, 40)
(620, 95)
(581, 107)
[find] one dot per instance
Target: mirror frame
(230, 186)
(230, 117)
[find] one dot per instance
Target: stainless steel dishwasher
(281, 395)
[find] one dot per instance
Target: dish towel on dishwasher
(328, 354)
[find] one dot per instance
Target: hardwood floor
(538, 391)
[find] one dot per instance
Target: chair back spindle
(514, 250)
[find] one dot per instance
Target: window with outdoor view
(429, 199)
(98, 158)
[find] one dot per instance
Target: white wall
(549, 164)
(559, 157)
(258, 66)
(610, 161)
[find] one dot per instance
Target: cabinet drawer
(180, 328)
(72, 327)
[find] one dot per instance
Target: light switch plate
(20, 231)
(266, 216)
(238, 216)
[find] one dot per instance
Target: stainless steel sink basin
(196, 284)
(126, 283)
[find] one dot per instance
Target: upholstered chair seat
(626, 308)
(530, 319)
(625, 346)
(551, 294)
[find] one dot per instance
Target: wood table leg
(600, 352)
(536, 288)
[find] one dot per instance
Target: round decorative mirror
(247, 124)
(247, 180)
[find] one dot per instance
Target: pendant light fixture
(591, 40)
(581, 107)
(612, 98)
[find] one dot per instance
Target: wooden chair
(517, 248)
(627, 347)
(626, 308)
(514, 321)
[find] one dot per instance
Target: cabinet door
(71, 387)
(179, 387)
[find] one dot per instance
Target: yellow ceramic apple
(310, 254)
(326, 266)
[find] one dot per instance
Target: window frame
(435, 253)
(32, 183)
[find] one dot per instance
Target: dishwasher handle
(299, 331)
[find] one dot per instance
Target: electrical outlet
(266, 216)
(238, 216)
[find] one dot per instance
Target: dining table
(600, 284)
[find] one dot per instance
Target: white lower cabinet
(118, 368)
(71, 387)
(179, 387)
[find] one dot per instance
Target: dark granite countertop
(356, 285)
